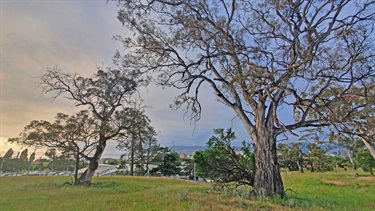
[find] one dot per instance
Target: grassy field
(309, 191)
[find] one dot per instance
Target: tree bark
(76, 168)
(148, 158)
(369, 147)
(312, 168)
(267, 180)
(86, 177)
(349, 152)
(300, 168)
(132, 158)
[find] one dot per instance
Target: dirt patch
(334, 181)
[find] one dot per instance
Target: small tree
(187, 167)
(222, 163)
(167, 161)
(317, 158)
(31, 160)
(22, 161)
(151, 148)
(365, 160)
(291, 156)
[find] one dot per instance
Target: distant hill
(330, 149)
(188, 150)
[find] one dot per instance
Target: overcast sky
(77, 37)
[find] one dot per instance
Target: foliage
(73, 135)
(113, 162)
(260, 58)
(318, 159)
(291, 156)
(365, 160)
(23, 163)
(167, 161)
(8, 163)
(63, 162)
(339, 161)
(7, 156)
(351, 127)
(140, 145)
(187, 167)
(31, 159)
(350, 142)
(224, 164)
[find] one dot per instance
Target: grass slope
(309, 191)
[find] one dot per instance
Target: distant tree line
(292, 157)
(22, 162)
(9, 162)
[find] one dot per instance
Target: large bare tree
(109, 94)
(262, 58)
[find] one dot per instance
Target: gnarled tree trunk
(267, 181)
(86, 177)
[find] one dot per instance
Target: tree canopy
(359, 124)
(76, 134)
(291, 156)
(167, 161)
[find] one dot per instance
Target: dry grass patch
(370, 178)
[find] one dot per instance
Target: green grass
(339, 190)
(111, 193)
(309, 191)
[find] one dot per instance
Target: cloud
(177, 128)
(40, 34)
(77, 36)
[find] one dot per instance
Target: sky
(77, 36)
